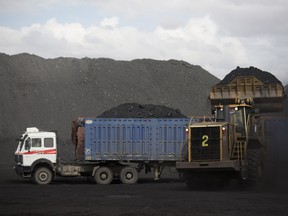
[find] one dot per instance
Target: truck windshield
(21, 142)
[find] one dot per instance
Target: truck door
(38, 148)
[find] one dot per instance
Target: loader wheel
(103, 175)
(255, 166)
(128, 175)
(42, 176)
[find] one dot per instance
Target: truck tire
(255, 166)
(42, 176)
(128, 175)
(103, 176)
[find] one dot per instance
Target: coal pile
(51, 93)
(134, 110)
(263, 76)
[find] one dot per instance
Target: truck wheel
(128, 175)
(103, 175)
(255, 166)
(43, 176)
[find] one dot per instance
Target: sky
(218, 35)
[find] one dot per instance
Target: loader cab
(237, 114)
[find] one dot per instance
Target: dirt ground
(169, 196)
(165, 197)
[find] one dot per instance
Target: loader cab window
(219, 114)
(242, 118)
(239, 121)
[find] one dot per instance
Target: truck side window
(48, 142)
(36, 142)
(27, 144)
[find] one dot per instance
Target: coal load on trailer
(134, 110)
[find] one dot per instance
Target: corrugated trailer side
(135, 139)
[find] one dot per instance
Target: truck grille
(205, 143)
(19, 158)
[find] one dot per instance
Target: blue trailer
(105, 148)
(135, 139)
(122, 147)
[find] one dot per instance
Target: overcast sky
(218, 35)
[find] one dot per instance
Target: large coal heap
(263, 76)
(134, 110)
(50, 93)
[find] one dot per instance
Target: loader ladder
(238, 151)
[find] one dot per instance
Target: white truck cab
(36, 155)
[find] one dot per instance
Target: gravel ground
(169, 196)
(165, 197)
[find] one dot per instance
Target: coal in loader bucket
(264, 90)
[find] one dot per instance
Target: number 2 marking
(205, 139)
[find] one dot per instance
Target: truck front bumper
(22, 171)
(211, 165)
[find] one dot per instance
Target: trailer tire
(103, 175)
(128, 175)
(42, 176)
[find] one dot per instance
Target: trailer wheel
(128, 175)
(103, 175)
(42, 176)
(255, 166)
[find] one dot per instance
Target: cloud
(197, 41)
(217, 35)
(110, 22)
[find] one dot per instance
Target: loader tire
(255, 166)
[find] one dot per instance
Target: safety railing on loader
(200, 119)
